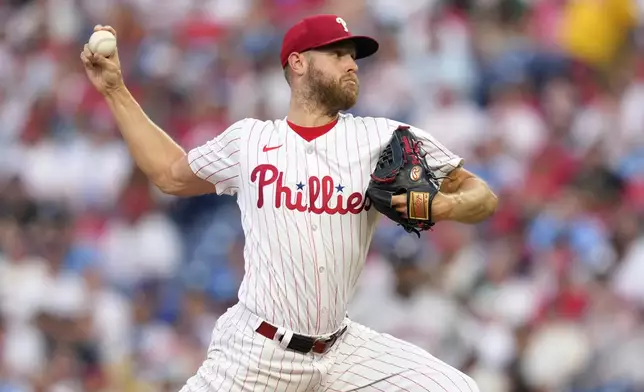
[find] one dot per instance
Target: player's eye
(342, 53)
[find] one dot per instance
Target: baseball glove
(402, 169)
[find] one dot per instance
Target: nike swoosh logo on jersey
(267, 149)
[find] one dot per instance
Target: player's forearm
(152, 149)
(472, 203)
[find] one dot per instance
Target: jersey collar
(312, 133)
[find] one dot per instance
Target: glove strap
(418, 206)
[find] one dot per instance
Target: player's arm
(162, 160)
(464, 198)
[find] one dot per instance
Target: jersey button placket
(313, 161)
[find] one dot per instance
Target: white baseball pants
(240, 359)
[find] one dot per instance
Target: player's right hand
(103, 72)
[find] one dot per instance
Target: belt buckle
(328, 343)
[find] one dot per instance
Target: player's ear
(297, 62)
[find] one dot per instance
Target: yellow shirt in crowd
(594, 30)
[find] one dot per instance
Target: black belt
(301, 343)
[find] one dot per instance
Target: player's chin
(350, 96)
(351, 87)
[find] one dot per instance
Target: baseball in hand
(102, 42)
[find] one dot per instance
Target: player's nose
(350, 64)
(353, 65)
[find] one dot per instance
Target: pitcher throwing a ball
(301, 184)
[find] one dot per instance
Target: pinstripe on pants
(239, 359)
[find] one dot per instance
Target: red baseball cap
(321, 30)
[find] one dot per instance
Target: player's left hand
(441, 205)
(402, 167)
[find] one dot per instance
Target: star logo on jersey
(321, 197)
(267, 149)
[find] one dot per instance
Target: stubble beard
(329, 95)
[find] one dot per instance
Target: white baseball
(102, 42)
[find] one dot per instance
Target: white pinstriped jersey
(307, 223)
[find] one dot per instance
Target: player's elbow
(185, 190)
(178, 188)
(490, 204)
(166, 184)
(169, 187)
(180, 181)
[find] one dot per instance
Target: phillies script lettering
(323, 198)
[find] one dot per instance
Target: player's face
(331, 77)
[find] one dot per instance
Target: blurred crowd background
(108, 285)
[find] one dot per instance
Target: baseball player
(300, 183)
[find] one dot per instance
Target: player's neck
(306, 116)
